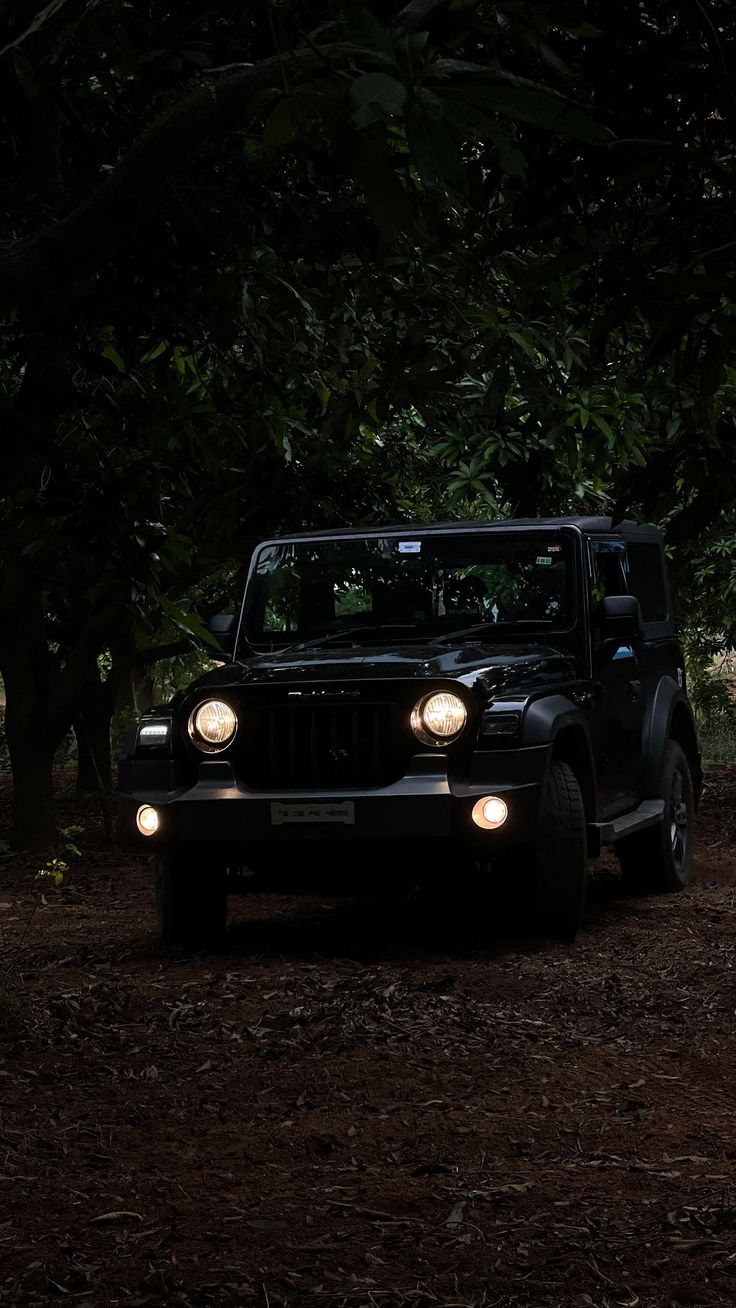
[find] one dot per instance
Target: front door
(618, 705)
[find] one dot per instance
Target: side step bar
(647, 814)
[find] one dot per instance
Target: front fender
(547, 716)
(556, 720)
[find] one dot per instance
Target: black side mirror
(223, 626)
(621, 617)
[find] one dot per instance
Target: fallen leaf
(456, 1214)
(120, 1215)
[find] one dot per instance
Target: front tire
(543, 885)
(191, 900)
(559, 869)
(659, 860)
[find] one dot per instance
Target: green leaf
(428, 103)
(526, 345)
(188, 622)
(387, 199)
(604, 427)
(322, 392)
(540, 109)
(365, 32)
(467, 117)
(434, 150)
(155, 353)
(115, 357)
(376, 96)
(281, 124)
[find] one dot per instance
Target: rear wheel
(191, 900)
(659, 860)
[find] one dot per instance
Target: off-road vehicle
(485, 703)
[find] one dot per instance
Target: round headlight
(212, 725)
(438, 718)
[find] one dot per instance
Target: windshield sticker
(410, 547)
(554, 549)
(543, 560)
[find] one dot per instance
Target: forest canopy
(293, 264)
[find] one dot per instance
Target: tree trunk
(144, 691)
(34, 824)
(31, 760)
(92, 731)
(43, 692)
(30, 740)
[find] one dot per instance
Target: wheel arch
(572, 746)
(671, 718)
(556, 721)
(683, 730)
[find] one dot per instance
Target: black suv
(498, 698)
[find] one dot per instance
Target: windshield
(383, 589)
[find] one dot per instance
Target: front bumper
(426, 805)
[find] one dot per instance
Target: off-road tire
(541, 886)
(658, 861)
(559, 867)
(191, 900)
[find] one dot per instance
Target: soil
(368, 1108)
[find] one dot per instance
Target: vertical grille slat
(313, 765)
(303, 745)
(292, 746)
(375, 752)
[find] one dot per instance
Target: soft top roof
(589, 525)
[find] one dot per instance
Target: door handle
(634, 690)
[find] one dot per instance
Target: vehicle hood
(497, 668)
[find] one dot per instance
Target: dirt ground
(359, 1109)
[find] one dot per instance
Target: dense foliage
(284, 264)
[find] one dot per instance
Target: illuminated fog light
(147, 820)
(439, 718)
(212, 725)
(490, 812)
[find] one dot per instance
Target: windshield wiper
(479, 627)
(333, 636)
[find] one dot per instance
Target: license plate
(283, 813)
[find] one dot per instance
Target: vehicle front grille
(325, 746)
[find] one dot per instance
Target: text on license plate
(282, 813)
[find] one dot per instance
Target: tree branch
(70, 250)
(417, 16)
(143, 658)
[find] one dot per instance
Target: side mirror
(223, 627)
(621, 617)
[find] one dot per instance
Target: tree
(118, 411)
(257, 273)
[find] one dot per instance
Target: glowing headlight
(212, 725)
(438, 718)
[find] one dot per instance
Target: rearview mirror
(621, 617)
(222, 626)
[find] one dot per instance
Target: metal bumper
(425, 805)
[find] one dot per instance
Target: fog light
(490, 812)
(147, 820)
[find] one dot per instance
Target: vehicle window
(430, 585)
(647, 580)
(609, 576)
